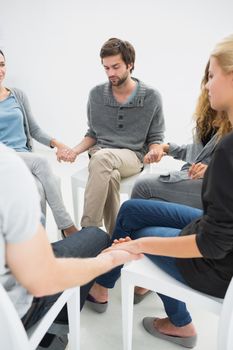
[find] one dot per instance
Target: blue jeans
(86, 243)
(147, 218)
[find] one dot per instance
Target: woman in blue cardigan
(17, 129)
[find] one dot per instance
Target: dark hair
(114, 46)
(1, 53)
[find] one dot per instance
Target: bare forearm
(66, 273)
(59, 145)
(84, 145)
(179, 247)
(46, 274)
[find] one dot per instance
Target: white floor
(103, 332)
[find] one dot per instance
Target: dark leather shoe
(54, 342)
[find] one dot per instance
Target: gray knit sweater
(134, 125)
(192, 153)
(32, 129)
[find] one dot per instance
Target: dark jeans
(86, 243)
(147, 218)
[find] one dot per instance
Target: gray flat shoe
(139, 297)
(95, 305)
(187, 342)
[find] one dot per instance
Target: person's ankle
(140, 290)
(99, 293)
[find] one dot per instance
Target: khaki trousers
(107, 167)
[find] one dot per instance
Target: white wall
(52, 50)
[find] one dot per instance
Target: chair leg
(225, 329)
(127, 292)
(75, 190)
(73, 306)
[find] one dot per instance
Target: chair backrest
(13, 335)
(12, 332)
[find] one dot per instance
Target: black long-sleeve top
(214, 230)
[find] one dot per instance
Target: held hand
(121, 240)
(197, 171)
(61, 152)
(131, 246)
(154, 155)
(71, 156)
(61, 148)
(66, 154)
(118, 242)
(120, 257)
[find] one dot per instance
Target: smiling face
(116, 69)
(220, 87)
(2, 68)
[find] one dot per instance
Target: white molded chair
(144, 273)
(13, 335)
(79, 180)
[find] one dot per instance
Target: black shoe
(53, 342)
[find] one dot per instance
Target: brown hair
(1, 53)
(115, 46)
(206, 118)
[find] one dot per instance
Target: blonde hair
(206, 118)
(223, 52)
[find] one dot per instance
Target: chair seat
(146, 274)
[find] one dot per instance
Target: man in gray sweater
(126, 128)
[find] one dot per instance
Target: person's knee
(126, 208)
(100, 237)
(142, 187)
(115, 177)
(101, 158)
(41, 163)
(86, 243)
(129, 211)
(137, 189)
